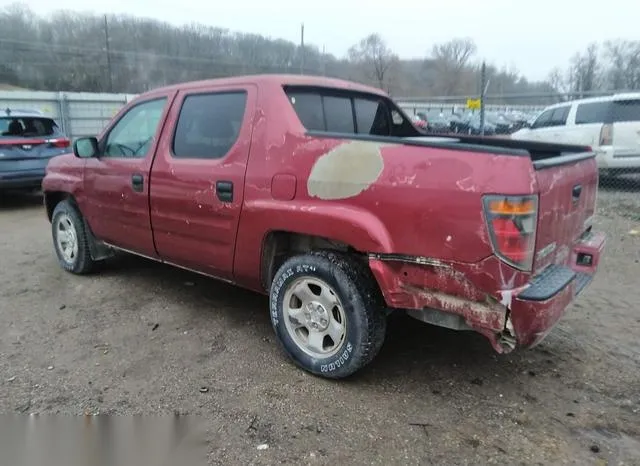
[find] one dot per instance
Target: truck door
(197, 179)
(116, 182)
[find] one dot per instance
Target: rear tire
(70, 239)
(327, 312)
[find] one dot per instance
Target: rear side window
(25, 127)
(596, 112)
(626, 110)
(349, 113)
(209, 125)
(338, 114)
(372, 117)
(309, 108)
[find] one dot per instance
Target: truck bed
(540, 153)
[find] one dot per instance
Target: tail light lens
(606, 135)
(60, 143)
(512, 221)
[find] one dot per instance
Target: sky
(531, 36)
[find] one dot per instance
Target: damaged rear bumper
(519, 311)
(537, 308)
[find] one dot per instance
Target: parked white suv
(610, 125)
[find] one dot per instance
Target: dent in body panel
(346, 171)
(476, 314)
(444, 288)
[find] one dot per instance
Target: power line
(66, 49)
(118, 66)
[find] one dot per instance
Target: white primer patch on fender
(346, 170)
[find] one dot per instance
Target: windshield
(21, 127)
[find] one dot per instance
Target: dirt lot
(144, 338)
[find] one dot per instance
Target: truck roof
(277, 79)
(603, 98)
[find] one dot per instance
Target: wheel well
(278, 246)
(53, 198)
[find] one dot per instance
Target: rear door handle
(137, 182)
(224, 191)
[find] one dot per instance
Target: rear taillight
(511, 221)
(606, 135)
(60, 143)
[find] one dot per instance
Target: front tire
(327, 312)
(70, 239)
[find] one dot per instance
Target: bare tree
(558, 83)
(584, 72)
(451, 60)
(373, 54)
(624, 64)
(458, 52)
(66, 51)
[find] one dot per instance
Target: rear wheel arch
(280, 245)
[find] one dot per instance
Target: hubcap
(66, 238)
(314, 317)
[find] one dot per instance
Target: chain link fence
(610, 125)
(86, 114)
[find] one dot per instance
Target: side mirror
(85, 148)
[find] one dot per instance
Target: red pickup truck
(322, 194)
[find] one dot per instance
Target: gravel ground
(143, 338)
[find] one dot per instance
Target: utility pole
(483, 92)
(302, 48)
(324, 62)
(108, 50)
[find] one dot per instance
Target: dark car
(473, 126)
(457, 123)
(436, 123)
(28, 140)
(502, 124)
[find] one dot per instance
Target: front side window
(559, 116)
(543, 120)
(132, 135)
(209, 125)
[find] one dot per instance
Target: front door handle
(224, 191)
(137, 182)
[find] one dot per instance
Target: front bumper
(520, 311)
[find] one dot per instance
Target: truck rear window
(334, 110)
